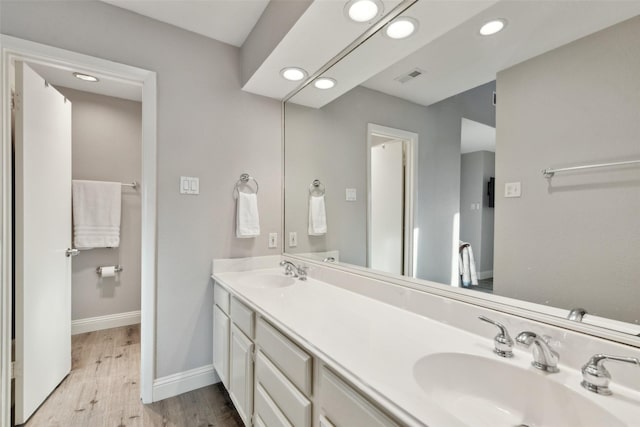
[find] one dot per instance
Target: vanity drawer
(267, 412)
(221, 298)
(342, 406)
(294, 405)
(287, 356)
(243, 317)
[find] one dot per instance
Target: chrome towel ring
(244, 180)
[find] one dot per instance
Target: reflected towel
(96, 214)
(317, 216)
(467, 265)
(248, 220)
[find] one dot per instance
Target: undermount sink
(264, 280)
(479, 391)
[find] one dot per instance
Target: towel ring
(244, 181)
(316, 185)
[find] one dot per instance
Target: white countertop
(376, 345)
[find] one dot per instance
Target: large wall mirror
(425, 159)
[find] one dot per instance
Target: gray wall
(330, 144)
(207, 127)
(476, 226)
(107, 146)
(572, 241)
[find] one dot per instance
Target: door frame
(18, 49)
(411, 190)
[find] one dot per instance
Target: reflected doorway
(391, 155)
(477, 177)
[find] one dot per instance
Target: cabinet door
(241, 374)
(342, 406)
(221, 345)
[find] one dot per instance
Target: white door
(387, 207)
(43, 234)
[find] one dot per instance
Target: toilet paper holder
(118, 269)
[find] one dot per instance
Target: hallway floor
(103, 390)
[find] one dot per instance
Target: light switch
(293, 239)
(189, 185)
(512, 189)
(351, 194)
(273, 240)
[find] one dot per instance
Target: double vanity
(322, 347)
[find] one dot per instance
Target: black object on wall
(491, 191)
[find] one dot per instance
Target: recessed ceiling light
(363, 10)
(401, 28)
(324, 83)
(493, 27)
(86, 77)
(294, 74)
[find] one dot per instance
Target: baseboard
(91, 324)
(485, 274)
(182, 382)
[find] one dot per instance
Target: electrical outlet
(293, 239)
(273, 240)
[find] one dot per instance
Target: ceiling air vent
(416, 72)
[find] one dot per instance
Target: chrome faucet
(595, 376)
(544, 357)
(290, 269)
(503, 344)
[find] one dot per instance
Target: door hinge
(14, 368)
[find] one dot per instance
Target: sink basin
(480, 391)
(267, 280)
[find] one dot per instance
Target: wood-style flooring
(103, 390)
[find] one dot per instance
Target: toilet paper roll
(108, 271)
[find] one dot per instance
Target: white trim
(411, 189)
(183, 382)
(13, 48)
(485, 274)
(109, 321)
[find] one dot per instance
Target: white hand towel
(96, 214)
(317, 216)
(248, 220)
(467, 265)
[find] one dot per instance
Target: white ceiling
(456, 58)
(318, 36)
(477, 137)
(108, 86)
(229, 21)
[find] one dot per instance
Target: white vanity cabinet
(270, 378)
(241, 353)
(221, 333)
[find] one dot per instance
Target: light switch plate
(293, 239)
(351, 194)
(273, 240)
(189, 185)
(512, 189)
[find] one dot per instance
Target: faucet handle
(302, 272)
(596, 378)
(502, 341)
